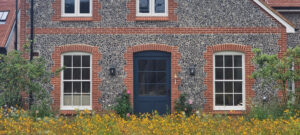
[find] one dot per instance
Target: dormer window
(3, 16)
(152, 7)
(76, 8)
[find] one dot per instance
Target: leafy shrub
(18, 74)
(273, 110)
(123, 107)
(182, 105)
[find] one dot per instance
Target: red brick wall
(208, 68)
(56, 80)
(175, 68)
(57, 13)
(131, 5)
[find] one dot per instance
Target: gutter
(31, 45)
(31, 29)
(16, 25)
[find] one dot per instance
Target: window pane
(76, 61)
(151, 77)
(151, 90)
(85, 61)
(219, 87)
(76, 74)
(86, 87)
(76, 87)
(142, 77)
(238, 99)
(67, 73)
(67, 99)
(85, 74)
(228, 87)
(84, 6)
(68, 61)
(161, 90)
(219, 61)
(67, 87)
(238, 73)
(219, 99)
(219, 73)
(228, 99)
(77, 100)
(159, 6)
(86, 100)
(238, 87)
(152, 65)
(238, 61)
(142, 89)
(69, 6)
(228, 73)
(144, 6)
(228, 61)
(161, 77)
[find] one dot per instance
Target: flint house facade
(155, 49)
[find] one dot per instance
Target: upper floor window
(3, 16)
(77, 8)
(229, 81)
(152, 7)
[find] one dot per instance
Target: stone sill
(152, 19)
(76, 19)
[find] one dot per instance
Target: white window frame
(151, 9)
(293, 90)
(76, 10)
(62, 106)
(243, 107)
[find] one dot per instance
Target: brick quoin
(131, 5)
(208, 68)
(56, 80)
(175, 68)
(56, 5)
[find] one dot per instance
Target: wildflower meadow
(13, 121)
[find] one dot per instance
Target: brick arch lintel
(56, 80)
(208, 69)
(175, 68)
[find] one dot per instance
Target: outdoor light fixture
(264, 100)
(112, 71)
(192, 71)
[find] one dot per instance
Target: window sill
(75, 19)
(151, 18)
(235, 112)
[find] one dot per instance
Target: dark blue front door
(152, 89)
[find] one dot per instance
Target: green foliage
(17, 75)
(182, 105)
(274, 110)
(271, 68)
(123, 107)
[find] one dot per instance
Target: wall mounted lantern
(192, 71)
(112, 71)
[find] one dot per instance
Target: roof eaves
(290, 27)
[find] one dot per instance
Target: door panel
(152, 75)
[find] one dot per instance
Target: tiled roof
(283, 3)
(5, 29)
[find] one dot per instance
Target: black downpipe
(31, 45)
(16, 26)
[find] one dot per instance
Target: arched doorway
(152, 82)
